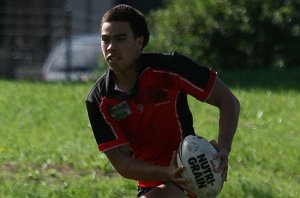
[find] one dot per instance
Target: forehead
(116, 28)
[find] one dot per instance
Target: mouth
(111, 58)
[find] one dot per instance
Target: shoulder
(160, 59)
(98, 89)
(172, 61)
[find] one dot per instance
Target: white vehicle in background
(84, 60)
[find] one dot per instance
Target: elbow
(120, 162)
(124, 173)
(230, 106)
(122, 169)
(125, 170)
(235, 108)
(237, 105)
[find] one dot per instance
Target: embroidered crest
(120, 111)
(160, 95)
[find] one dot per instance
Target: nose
(111, 47)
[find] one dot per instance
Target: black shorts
(141, 191)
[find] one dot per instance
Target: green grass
(48, 150)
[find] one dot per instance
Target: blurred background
(47, 149)
(35, 36)
(59, 39)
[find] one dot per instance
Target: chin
(115, 68)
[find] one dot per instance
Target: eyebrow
(117, 35)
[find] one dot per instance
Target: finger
(221, 155)
(179, 171)
(223, 165)
(224, 174)
(182, 181)
(174, 159)
(217, 156)
(215, 144)
(178, 176)
(190, 194)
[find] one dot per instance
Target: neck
(126, 80)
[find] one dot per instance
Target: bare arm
(132, 168)
(229, 108)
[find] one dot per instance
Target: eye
(121, 38)
(105, 39)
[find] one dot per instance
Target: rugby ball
(196, 155)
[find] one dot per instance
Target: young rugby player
(138, 109)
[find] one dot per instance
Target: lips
(111, 57)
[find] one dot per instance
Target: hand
(175, 172)
(223, 156)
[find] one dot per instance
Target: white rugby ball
(196, 155)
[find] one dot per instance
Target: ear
(139, 42)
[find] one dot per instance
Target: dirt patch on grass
(53, 170)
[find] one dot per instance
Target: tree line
(230, 34)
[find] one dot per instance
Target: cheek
(131, 49)
(103, 48)
(131, 53)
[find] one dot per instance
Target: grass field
(47, 148)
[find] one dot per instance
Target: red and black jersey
(155, 117)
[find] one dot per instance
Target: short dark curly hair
(134, 17)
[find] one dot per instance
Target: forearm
(229, 108)
(229, 114)
(132, 168)
(136, 169)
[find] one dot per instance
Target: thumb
(215, 144)
(174, 159)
